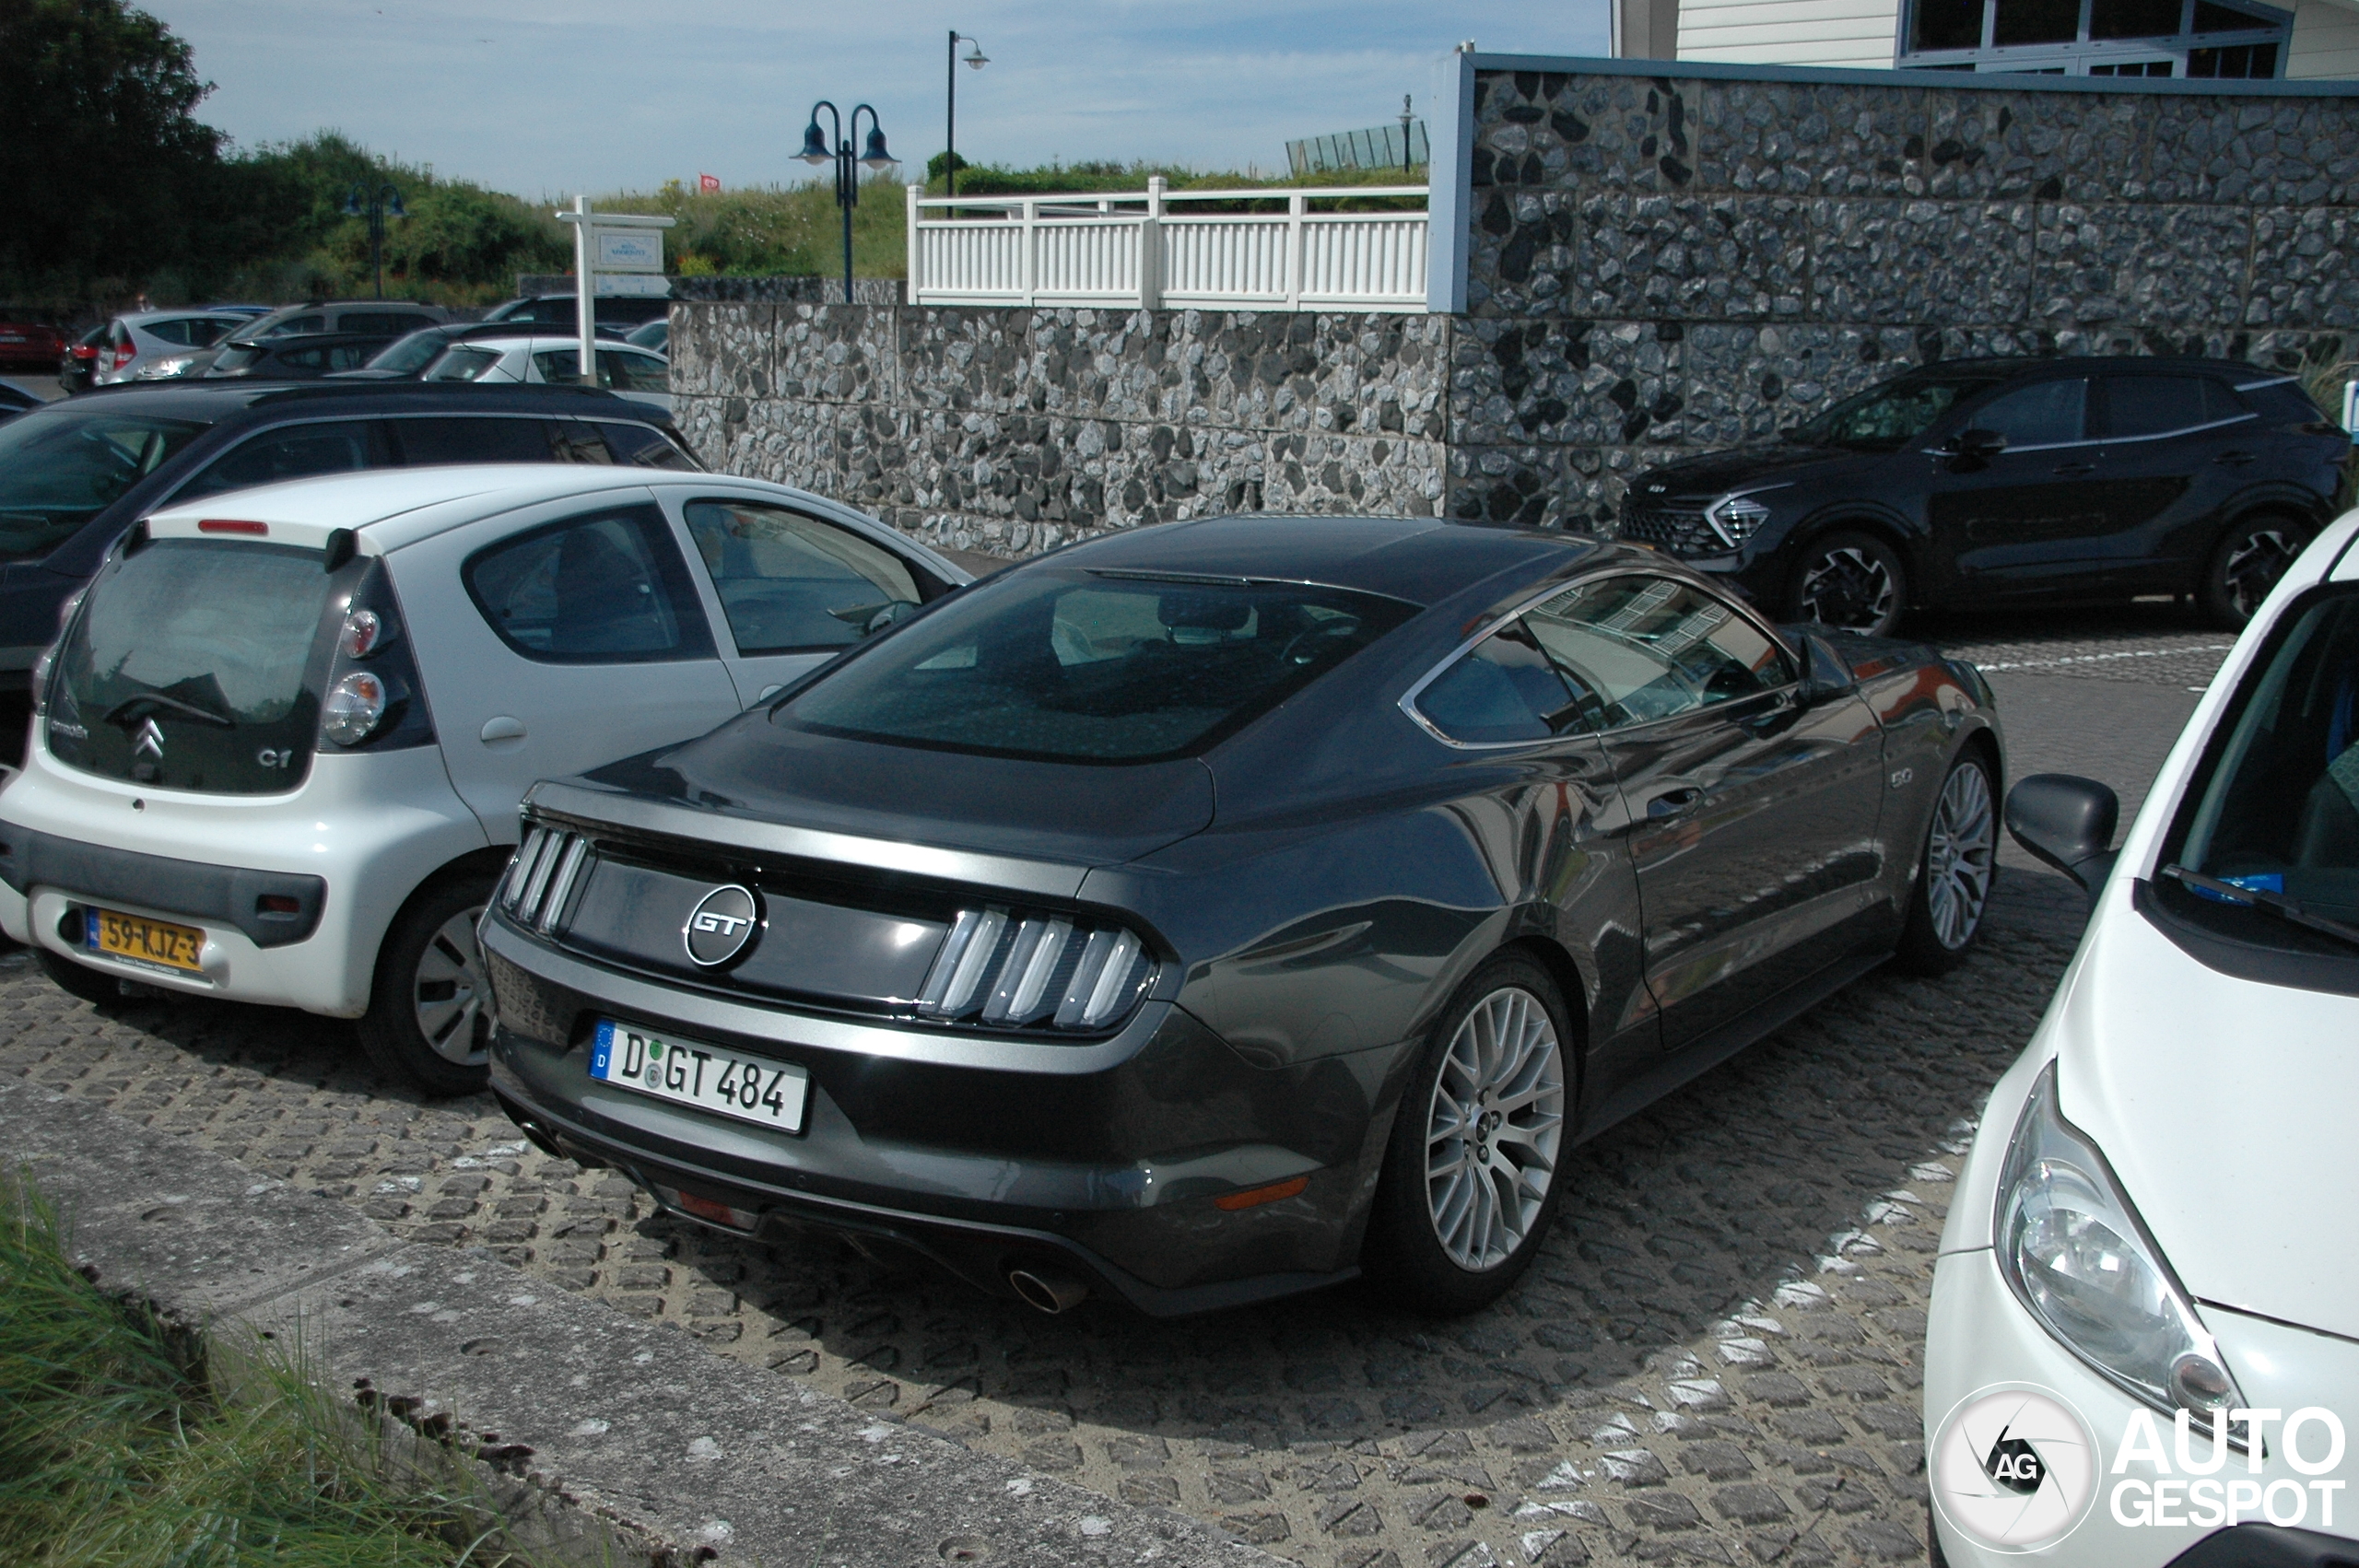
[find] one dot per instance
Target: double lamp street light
(376, 206)
(815, 150)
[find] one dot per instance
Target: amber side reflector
(231, 525)
(1254, 1197)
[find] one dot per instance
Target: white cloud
(547, 99)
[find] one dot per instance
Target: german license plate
(687, 1072)
(156, 944)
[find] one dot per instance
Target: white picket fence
(1136, 248)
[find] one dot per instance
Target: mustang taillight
(546, 866)
(1015, 970)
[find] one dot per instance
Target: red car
(30, 338)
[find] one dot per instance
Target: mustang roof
(1420, 560)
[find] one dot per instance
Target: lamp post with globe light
(384, 203)
(976, 60)
(815, 151)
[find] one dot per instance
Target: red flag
(708, 183)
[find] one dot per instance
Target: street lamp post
(976, 60)
(815, 151)
(377, 206)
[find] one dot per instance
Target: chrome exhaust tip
(1045, 1288)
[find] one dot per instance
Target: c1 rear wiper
(2277, 904)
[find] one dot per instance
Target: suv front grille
(1675, 526)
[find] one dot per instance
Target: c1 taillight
(124, 355)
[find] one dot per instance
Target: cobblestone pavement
(1715, 1358)
(2152, 642)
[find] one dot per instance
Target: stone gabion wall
(1012, 431)
(1669, 264)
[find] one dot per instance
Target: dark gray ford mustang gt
(1221, 909)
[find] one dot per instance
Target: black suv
(1985, 482)
(74, 473)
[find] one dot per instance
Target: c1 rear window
(1085, 667)
(189, 668)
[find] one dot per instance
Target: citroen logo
(719, 926)
(147, 741)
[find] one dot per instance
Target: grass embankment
(118, 1447)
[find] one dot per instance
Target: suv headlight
(1735, 517)
(2076, 1254)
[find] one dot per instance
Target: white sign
(639, 286)
(629, 250)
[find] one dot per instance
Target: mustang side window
(1651, 647)
(1505, 689)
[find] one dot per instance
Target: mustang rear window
(187, 669)
(1092, 667)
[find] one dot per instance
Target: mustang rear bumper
(1112, 1174)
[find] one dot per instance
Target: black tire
(1850, 582)
(429, 1009)
(1957, 868)
(2245, 565)
(1407, 1259)
(103, 992)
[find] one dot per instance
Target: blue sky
(599, 95)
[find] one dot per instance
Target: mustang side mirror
(2067, 823)
(1825, 673)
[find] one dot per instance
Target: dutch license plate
(156, 944)
(687, 1072)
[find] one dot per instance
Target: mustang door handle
(503, 728)
(1671, 803)
(2233, 459)
(2073, 470)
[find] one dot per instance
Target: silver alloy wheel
(1493, 1129)
(450, 997)
(1959, 850)
(1848, 590)
(2259, 560)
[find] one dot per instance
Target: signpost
(624, 243)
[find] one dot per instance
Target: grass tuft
(127, 1441)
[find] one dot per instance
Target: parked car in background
(74, 473)
(135, 341)
(288, 356)
(1973, 483)
(381, 318)
(1159, 917)
(321, 829)
(620, 312)
(77, 363)
(656, 335)
(30, 337)
(2087, 1259)
(636, 373)
(407, 358)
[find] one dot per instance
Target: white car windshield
(2275, 807)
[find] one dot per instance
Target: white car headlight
(2076, 1254)
(1735, 517)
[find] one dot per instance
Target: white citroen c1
(280, 746)
(2144, 1346)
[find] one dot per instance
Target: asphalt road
(1714, 1359)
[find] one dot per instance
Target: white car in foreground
(280, 748)
(640, 374)
(2151, 1241)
